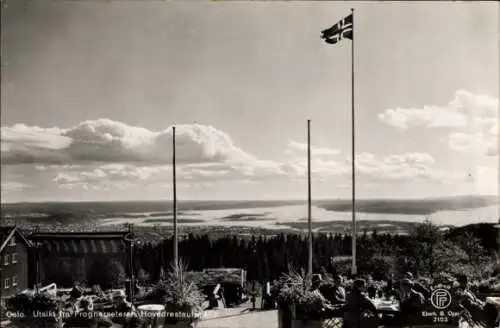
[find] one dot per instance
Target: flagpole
(309, 216)
(174, 209)
(353, 161)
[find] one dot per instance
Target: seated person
(76, 292)
(122, 305)
(469, 301)
(334, 292)
(370, 287)
(410, 303)
(316, 281)
(357, 305)
(327, 309)
(417, 286)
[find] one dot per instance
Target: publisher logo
(441, 298)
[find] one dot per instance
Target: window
(6, 284)
(14, 281)
(6, 259)
(12, 241)
(13, 258)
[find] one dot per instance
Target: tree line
(425, 250)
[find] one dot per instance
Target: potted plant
(181, 296)
(35, 311)
(298, 305)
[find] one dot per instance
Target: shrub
(27, 305)
(107, 274)
(294, 288)
(176, 289)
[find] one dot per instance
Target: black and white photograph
(249, 164)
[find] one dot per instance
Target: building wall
(64, 268)
(11, 270)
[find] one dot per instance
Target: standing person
(357, 304)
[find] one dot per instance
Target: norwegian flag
(342, 30)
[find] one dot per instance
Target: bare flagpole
(174, 209)
(353, 160)
(309, 216)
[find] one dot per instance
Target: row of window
(10, 282)
(12, 258)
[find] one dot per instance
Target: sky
(91, 90)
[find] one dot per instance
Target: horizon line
(252, 200)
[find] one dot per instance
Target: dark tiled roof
(6, 234)
(81, 235)
(83, 246)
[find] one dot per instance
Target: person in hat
(357, 305)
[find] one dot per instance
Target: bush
(178, 290)
(295, 289)
(107, 274)
(27, 305)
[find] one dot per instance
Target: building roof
(83, 242)
(83, 246)
(6, 234)
(126, 235)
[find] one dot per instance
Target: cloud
(480, 142)
(431, 116)
(109, 155)
(486, 179)
(410, 166)
(13, 186)
(109, 141)
(295, 148)
(369, 168)
(473, 117)
(464, 110)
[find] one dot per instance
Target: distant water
(277, 217)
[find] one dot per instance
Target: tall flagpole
(309, 216)
(174, 209)
(353, 161)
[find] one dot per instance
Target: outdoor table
(494, 301)
(151, 315)
(385, 306)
